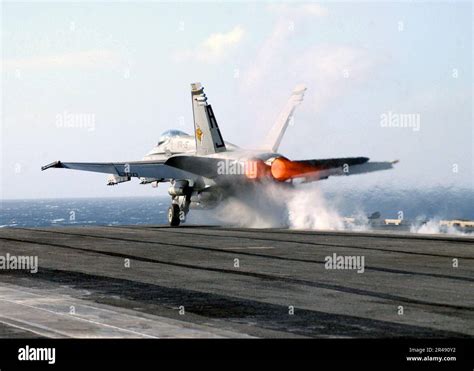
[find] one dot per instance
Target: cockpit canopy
(171, 133)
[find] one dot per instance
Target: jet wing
(192, 167)
(204, 166)
(312, 170)
(138, 169)
(338, 167)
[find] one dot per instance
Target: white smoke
(433, 226)
(275, 205)
(308, 209)
(262, 207)
(280, 206)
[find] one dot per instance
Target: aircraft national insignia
(199, 133)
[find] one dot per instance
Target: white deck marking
(48, 315)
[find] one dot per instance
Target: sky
(121, 71)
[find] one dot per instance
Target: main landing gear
(173, 215)
(178, 210)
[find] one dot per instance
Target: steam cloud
(432, 226)
(271, 207)
(305, 207)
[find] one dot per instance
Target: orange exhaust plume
(256, 169)
(283, 169)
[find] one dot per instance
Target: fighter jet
(203, 169)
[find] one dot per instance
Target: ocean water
(83, 211)
(432, 204)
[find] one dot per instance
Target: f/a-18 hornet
(204, 170)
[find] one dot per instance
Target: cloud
(332, 70)
(327, 69)
(81, 59)
(277, 41)
(216, 47)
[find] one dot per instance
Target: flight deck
(219, 282)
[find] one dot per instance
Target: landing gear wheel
(173, 215)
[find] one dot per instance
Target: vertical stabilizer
(208, 136)
(274, 137)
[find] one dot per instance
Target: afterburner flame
(283, 169)
(256, 169)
